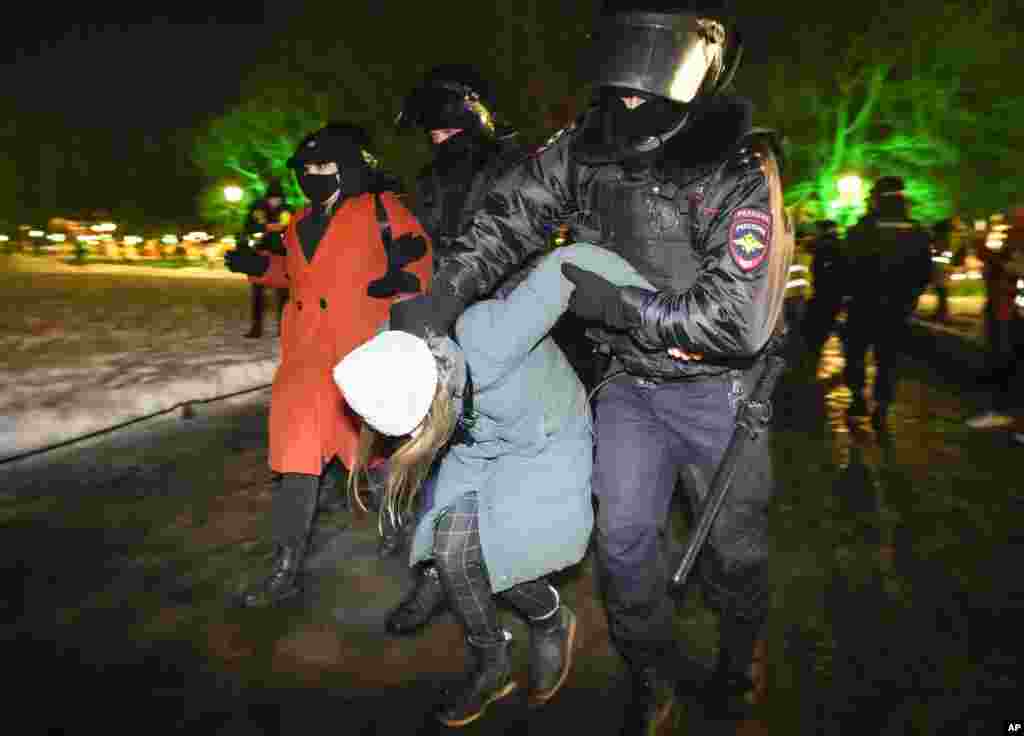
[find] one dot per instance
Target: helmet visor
(655, 53)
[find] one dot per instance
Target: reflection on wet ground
(894, 609)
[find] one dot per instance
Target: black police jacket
(452, 187)
(704, 224)
(890, 260)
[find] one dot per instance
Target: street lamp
(233, 194)
(850, 188)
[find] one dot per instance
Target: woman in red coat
(347, 258)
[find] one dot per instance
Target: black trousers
(884, 328)
(646, 436)
(257, 303)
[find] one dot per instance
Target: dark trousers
(257, 303)
(876, 326)
(1004, 347)
(646, 435)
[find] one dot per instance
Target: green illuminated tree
(249, 146)
(901, 93)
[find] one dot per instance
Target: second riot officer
(667, 168)
(453, 105)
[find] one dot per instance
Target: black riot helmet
(450, 96)
(676, 53)
(344, 144)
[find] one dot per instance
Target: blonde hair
(410, 462)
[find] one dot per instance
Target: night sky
(109, 108)
(121, 93)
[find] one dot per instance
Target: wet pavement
(896, 610)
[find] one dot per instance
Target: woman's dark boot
(551, 645)
(294, 503)
(489, 680)
(284, 579)
(426, 599)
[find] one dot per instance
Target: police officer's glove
(599, 300)
(247, 261)
(426, 315)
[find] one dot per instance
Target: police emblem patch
(749, 235)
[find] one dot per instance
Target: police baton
(752, 417)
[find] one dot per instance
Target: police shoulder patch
(750, 233)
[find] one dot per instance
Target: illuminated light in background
(132, 240)
(197, 236)
(56, 237)
(4, 238)
(233, 193)
(229, 240)
(850, 187)
(36, 233)
(940, 259)
(169, 240)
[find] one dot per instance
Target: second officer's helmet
(450, 96)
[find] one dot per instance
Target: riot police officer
(667, 168)
(454, 106)
(264, 228)
(890, 265)
(828, 277)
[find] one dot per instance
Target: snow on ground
(83, 349)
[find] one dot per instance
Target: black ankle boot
(651, 705)
(426, 600)
(284, 581)
(551, 644)
(488, 681)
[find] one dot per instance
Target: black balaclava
(318, 188)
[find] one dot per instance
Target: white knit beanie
(389, 381)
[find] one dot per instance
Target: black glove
(400, 252)
(599, 300)
(247, 261)
(393, 283)
(405, 250)
(434, 313)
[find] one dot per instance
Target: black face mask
(318, 188)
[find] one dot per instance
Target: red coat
(328, 316)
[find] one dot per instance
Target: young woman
(347, 257)
(512, 502)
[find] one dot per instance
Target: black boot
(426, 600)
(294, 504)
(488, 681)
(284, 581)
(331, 498)
(551, 645)
(651, 705)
